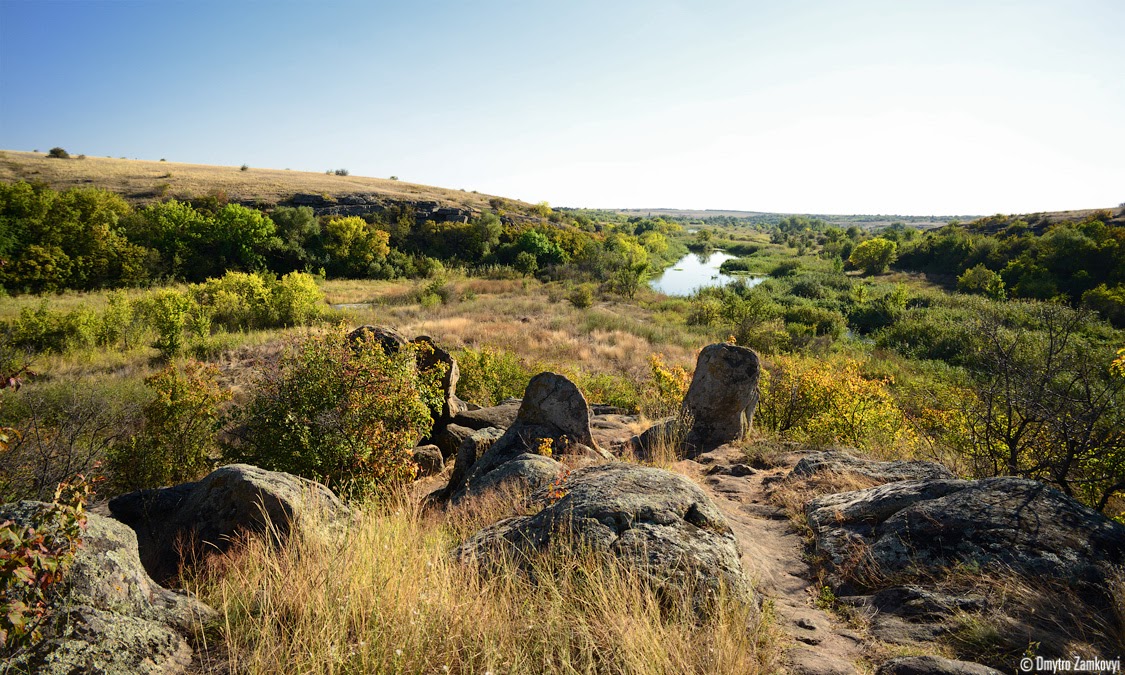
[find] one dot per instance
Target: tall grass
(389, 597)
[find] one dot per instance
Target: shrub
(827, 402)
(341, 172)
(488, 376)
(981, 280)
(167, 312)
(58, 153)
(244, 167)
(582, 296)
(665, 390)
(340, 412)
(297, 299)
(236, 301)
(178, 428)
(874, 256)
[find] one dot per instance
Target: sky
(837, 106)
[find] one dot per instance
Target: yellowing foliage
(829, 402)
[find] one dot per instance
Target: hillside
(142, 181)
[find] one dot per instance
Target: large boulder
(655, 521)
(1017, 524)
(554, 411)
(722, 397)
(838, 461)
(185, 522)
(109, 615)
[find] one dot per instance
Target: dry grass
(146, 180)
(388, 597)
(519, 316)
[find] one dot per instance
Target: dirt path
(772, 556)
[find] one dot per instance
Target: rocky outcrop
(655, 521)
(916, 558)
(722, 397)
(1019, 524)
(932, 665)
(552, 410)
(837, 461)
(430, 356)
(474, 445)
(110, 615)
(179, 524)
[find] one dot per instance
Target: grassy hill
(143, 181)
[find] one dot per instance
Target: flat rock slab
(838, 461)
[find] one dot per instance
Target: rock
(552, 409)
(449, 438)
(473, 446)
(656, 521)
(112, 617)
(429, 460)
(525, 472)
(803, 661)
(721, 399)
(390, 339)
(931, 525)
(182, 523)
(87, 640)
(734, 470)
(611, 430)
(837, 461)
(500, 416)
(932, 665)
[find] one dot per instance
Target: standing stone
(722, 397)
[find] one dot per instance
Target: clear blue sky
(799, 106)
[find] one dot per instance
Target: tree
(351, 245)
(58, 153)
(874, 256)
(1044, 402)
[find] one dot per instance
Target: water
(695, 271)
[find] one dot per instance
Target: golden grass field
(142, 180)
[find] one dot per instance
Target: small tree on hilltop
(58, 153)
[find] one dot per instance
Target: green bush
(177, 436)
(582, 296)
(488, 376)
(236, 301)
(167, 312)
(344, 413)
(297, 299)
(58, 153)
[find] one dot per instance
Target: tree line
(88, 239)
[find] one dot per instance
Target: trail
(772, 557)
